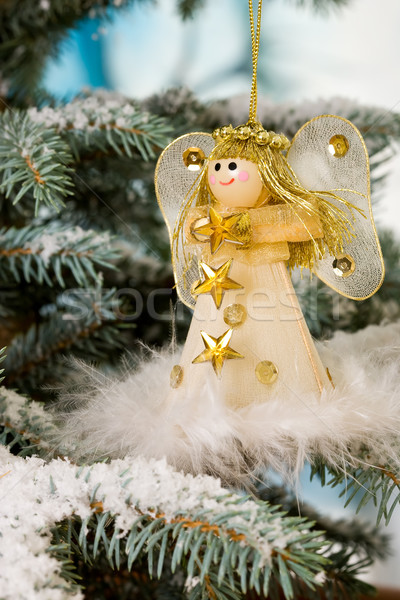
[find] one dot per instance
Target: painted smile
(229, 182)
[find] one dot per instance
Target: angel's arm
(279, 222)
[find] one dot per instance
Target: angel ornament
(244, 207)
(250, 389)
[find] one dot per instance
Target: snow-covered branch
(47, 252)
(34, 160)
(148, 502)
(105, 121)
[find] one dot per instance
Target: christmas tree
(86, 274)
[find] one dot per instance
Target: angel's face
(235, 182)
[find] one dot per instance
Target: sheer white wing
(173, 181)
(328, 153)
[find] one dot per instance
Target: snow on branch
(46, 252)
(24, 422)
(148, 502)
(33, 160)
(107, 122)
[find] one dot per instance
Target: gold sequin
(338, 146)
(176, 376)
(193, 158)
(199, 223)
(344, 265)
(235, 315)
(266, 372)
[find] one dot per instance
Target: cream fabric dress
(274, 330)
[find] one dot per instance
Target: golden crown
(254, 131)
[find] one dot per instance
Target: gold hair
(251, 142)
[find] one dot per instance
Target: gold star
(219, 229)
(216, 282)
(217, 350)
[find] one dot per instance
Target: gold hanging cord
(255, 44)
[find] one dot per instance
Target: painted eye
(217, 166)
(232, 166)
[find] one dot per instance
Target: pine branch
(61, 552)
(225, 561)
(343, 576)
(107, 122)
(85, 325)
(26, 428)
(101, 581)
(364, 484)
(31, 32)
(136, 510)
(123, 202)
(33, 160)
(44, 254)
(367, 540)
(212, 589)
(183, 110)
(344, 540)
(146, 510)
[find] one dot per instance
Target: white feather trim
(130, 415)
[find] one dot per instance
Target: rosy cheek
(212, 179)
(243, 176)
